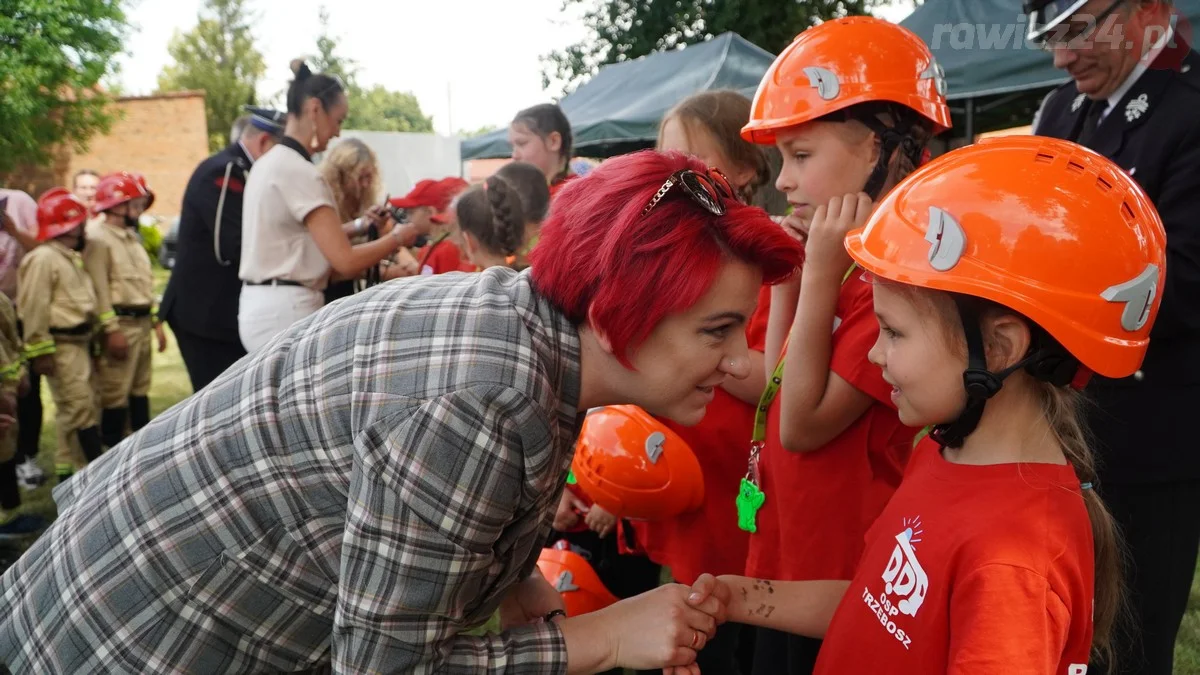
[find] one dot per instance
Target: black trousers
(29, 418)
(10, 494)
(1161, 525)
(778, 653)
(206, 358)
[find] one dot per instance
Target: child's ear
(1007, 340)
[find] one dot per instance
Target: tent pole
(970, 120)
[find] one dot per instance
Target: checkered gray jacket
(352, 497)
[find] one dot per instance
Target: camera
(398, 214)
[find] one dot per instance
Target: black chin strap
(889, 141)
(1047, 361)
(981, 384)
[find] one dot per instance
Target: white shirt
(1140, 69)
(281, 191)
(22, 209)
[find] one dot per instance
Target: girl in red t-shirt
(829, 448)
(1004, 273)
(494, 220)
(541, 135)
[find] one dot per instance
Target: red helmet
(145, 188)
(636, 467)
(574, 579)
(116, 189)
(59, 212)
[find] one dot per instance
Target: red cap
(425, 193)
(453, 185)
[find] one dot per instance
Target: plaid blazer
(352, 497)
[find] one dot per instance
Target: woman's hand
(600, 521)
(662, 629)
(826, 247)
(529, 601)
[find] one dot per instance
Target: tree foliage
(621, 30)
(371, 109)
(53, 58)
(219, 57)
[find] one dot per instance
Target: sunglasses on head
(709, 190)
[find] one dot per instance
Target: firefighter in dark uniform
(201, 300)
(1134, 97)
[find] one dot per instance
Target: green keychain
(749, 500)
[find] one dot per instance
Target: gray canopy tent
(620, 108)
(994, 77)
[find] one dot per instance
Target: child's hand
(569, 508)
(826, 247)
(600, 521)
(794, 227)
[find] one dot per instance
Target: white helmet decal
(654, 446)
(946, 240)
(565, 582)
(1138, 295)
(824, 81)
(937, 74)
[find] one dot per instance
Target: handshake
(663, 628)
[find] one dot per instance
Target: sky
(470, 63)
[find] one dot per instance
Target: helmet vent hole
(1075, 167)
(1104, 185)
(1126, 212)
(1044, 158)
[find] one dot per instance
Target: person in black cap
(1132, 97)
(201, 300)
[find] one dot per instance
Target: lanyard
(751, 497)
(773, 385)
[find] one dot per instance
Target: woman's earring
(315, 142)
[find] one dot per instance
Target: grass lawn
(171, 385)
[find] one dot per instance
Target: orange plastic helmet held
(59, 212)
(635, 467)
(1042, 226)
(574, 579)
(116, 189)
(844, 62)
(141, 180)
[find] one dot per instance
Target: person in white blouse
(292, 238)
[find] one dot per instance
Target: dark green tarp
(981, 45)
(624, 102)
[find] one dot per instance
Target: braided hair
(493, 215)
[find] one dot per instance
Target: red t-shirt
(442, 256)
(709, 540)
(971, 570)
(819, 504)
(560, 183)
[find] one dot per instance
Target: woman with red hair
(380, 481)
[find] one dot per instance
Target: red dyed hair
(597, 254)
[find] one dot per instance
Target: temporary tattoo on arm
(764, 585)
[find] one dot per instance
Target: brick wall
(163, 137)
